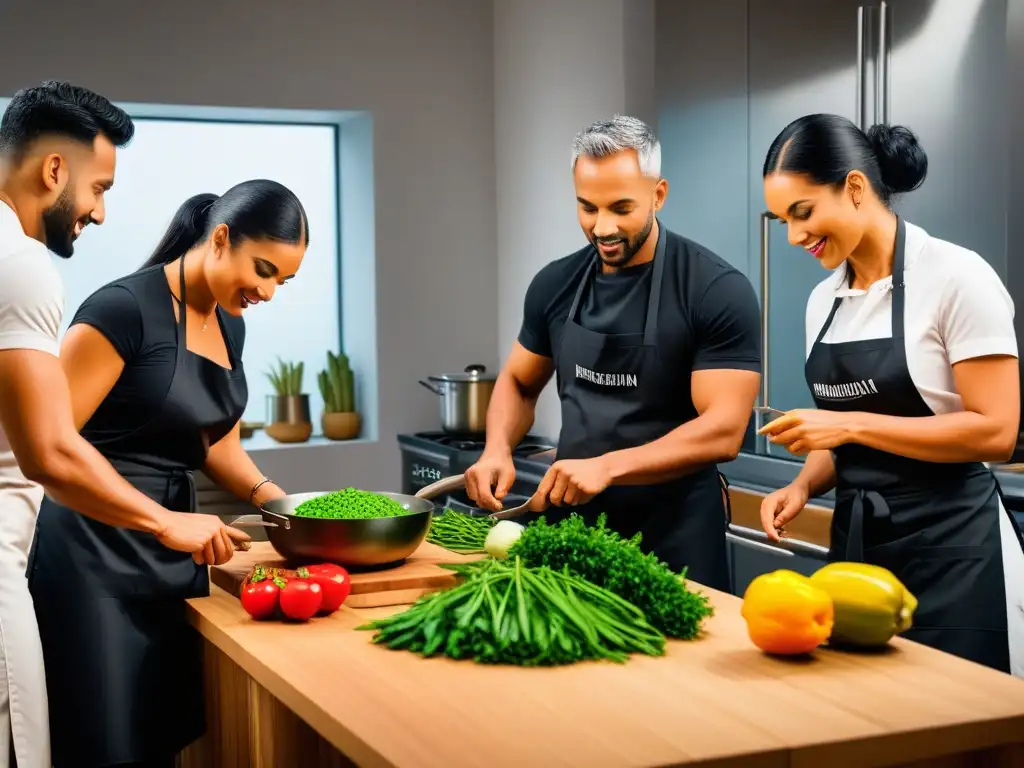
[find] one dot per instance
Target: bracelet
(260, 484)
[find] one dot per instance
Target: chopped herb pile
(457, 532)
(505, 613)
(605, 559)
(350, 504)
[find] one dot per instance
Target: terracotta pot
(284, 432)
(340, 426)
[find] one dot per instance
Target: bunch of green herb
(604, 558)
(350, 504)
(457, 532)
(504, 613)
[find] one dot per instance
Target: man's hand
(492, 470)
(206, 537)
(571, 482)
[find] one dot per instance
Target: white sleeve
(31, 302)
(976, 315)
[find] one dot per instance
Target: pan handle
(435, 389)
(282, 518)
(445, 484)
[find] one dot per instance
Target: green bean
(505, 613)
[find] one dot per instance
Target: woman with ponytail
(912, 362)
(154, 363)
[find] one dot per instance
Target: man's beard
(59, 226)
(631, 247)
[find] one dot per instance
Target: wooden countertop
(713, 701)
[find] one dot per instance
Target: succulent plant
(337, 385)
(286, 378)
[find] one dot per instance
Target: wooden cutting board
(401, 585)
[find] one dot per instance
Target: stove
(429, 456)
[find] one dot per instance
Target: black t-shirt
(136, 315)
(707, 306)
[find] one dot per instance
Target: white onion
(501, 537)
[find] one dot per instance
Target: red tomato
(259, 599)
(300, 599)
(334, 583)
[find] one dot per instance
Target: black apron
(683, 522)
(123, 665)
(934, 525)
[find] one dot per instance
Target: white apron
(23, 705)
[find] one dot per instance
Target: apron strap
(654, 301)
(855, 537)
(182, 310)
(898, 283)
(828, 320)
(898, 293)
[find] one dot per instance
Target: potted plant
(289, 417)
(339, 421)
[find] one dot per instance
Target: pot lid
(472, 373)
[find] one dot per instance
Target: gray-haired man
(655, 342)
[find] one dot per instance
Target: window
(170, 160)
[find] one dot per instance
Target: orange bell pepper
(786, 613)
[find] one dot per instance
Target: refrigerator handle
(882, 67)
(861, 64)
(766, 221)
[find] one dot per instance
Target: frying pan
(359, 542)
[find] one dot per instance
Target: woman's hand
(806, 429)
(781, 506)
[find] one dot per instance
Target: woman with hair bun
(154, 364)
(912, 362)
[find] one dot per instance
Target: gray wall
(558, 66)
(424, 70)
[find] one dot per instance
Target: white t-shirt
(31, 302)
(956, 309)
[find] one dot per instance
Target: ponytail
(187, 228)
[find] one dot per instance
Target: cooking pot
(463, 399)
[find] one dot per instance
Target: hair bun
(901, 159)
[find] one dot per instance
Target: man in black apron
(941, 528)
(654, 343)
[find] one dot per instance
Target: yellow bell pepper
(871, 604)
(786, 613)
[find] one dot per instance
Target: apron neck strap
(182, 309)
(898, 286)
(651, 324)
(654, 300)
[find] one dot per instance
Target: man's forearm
(77, 475)
(686, 449)
(510, 414)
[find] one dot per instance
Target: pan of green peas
(350, 527)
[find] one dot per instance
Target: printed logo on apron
(852, 390)
(606, 379)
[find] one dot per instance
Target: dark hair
(828, 147)
(63, 109)
(253, 210)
